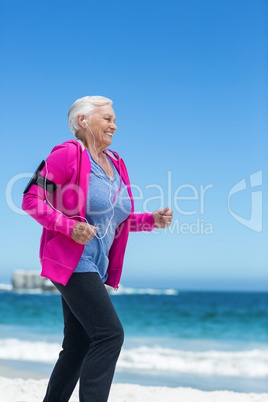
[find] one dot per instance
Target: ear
(80, 121)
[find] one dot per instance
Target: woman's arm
(148, 221)
(141, 222)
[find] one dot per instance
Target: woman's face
(102, 125)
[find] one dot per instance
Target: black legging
(93, 337)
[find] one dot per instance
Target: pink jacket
(68, 166)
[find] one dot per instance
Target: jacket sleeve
(141, 222)
(35, 201)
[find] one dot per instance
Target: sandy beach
(19, 390)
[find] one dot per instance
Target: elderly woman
(81, 196)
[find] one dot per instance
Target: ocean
(203, 340)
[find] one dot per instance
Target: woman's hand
(83, 232)
(163, 217)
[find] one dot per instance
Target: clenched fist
(163, 217)
(83, 232)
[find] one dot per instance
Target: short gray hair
(86, 106)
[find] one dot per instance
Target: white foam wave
(250, 363)
(14, 349)
(247, 363)
(143, 291)
(5, 287)
(120, 291)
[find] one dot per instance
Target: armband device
(41, 181)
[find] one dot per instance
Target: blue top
(105, 213)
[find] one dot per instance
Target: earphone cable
(79, 216)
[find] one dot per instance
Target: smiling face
(102, 125)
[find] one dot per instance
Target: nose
(114, 126)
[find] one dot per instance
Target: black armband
(41, 181)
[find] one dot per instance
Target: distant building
(30, 280)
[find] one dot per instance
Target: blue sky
(189, 85)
